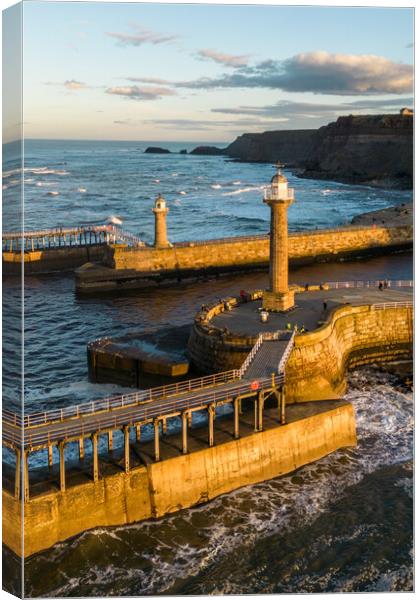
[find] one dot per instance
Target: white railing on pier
(283, 361)
(121, 401)
(251, 355)
(376, 283)
(385, 305)
(83, 235)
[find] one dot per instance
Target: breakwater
(351, 336)
(153, 490)
(133, 267)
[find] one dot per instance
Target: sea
(341, 524)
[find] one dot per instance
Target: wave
(245, 190)
(114, 220)
(53, 193)
(205, 537)
(216, 186)
(82, 190)
(182, 193)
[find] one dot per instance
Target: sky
(208, 72)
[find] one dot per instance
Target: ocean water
(342, 524)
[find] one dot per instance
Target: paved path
(245, 319)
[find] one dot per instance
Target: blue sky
(208, 72)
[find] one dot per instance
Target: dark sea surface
(341, 524)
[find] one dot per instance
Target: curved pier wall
(154, 490)
(234, 253)
(353, 336)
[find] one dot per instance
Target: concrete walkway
(309, 312)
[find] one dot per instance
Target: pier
(39, 431)
(67, 237)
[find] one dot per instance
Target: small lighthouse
(278, 297)
(161, 210)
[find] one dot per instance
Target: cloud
(320, 73)
(291, 109)
(154, 80)
(135, 92)
(229, 60)
(72, 84)
(141, 36)
(210, 124)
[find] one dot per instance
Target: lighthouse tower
(278, 297)
(161, 210)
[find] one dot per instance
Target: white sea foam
(245, 190)
(216, 186)
(156, 180)
(82, 190)
(53, 193)
(182, 193)
(114, 220)
(242, 518)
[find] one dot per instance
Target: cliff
(368, 149)
(291, 147)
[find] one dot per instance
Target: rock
(208, 151)
(156, 150)
(183, 152)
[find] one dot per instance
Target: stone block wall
(353, 336)
(253, 252)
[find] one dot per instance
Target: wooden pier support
(62, 467)
(184, 433)
(25, 477)
(110, 441)
(17, 473)
(157, 448)
(236, 409)
(190, 419)
(95, 457)
(50, 456)
(211, 412)
(164, 425)
(81, 448)
(138, 432)
(127, 449)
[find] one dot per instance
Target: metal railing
(270, 194)
(386, 283)
(121, 401)
(385, 305)
(145, 412)
(285, 357)
(67, 236)
(251, 355)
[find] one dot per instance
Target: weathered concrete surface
(352, 336)
(182, 481)
(127, 267)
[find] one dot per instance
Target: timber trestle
(40, 431)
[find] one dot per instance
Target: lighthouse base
(278, 301)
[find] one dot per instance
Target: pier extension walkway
(67, 237)
(253, 381)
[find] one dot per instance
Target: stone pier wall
(239, 252)
(154, 490)
(53, 259)
(353, 336)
